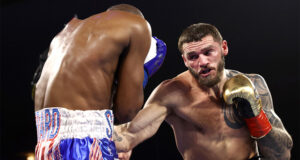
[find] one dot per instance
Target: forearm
(143, 126)
(277, 144)
(126, 136)
(121, 138)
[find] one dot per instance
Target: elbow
(286, 154)
(290, 143)
(289, 146)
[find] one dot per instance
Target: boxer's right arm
(146, 122)
(142, 127)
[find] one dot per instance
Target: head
(203, 51)
(126, 8)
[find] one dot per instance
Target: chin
(209, 81)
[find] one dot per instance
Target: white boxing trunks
(74, 134)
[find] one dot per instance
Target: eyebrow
(188, 54)
(203, 49)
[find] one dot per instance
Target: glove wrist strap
(259, 126)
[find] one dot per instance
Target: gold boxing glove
(239, 90)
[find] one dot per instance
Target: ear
(184, 60)
(224, 47)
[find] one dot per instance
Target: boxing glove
(240, 91)
(154, 59)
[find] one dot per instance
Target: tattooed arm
(277, 144)
(120, 138)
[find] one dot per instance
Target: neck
(217, 89)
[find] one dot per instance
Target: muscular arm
(143, 126)
(278, 143)
(129, 96)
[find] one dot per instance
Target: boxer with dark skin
(88, 56)
(205, 125)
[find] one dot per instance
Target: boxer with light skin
(215, 113)
(94, 72)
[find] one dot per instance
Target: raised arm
(277, 144)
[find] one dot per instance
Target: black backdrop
(263, 37)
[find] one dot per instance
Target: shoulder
(230, 73)
(136, 22)
(257, 80)
(177, 84)
(253, 76)
(259, 83)
(171, 92)
(119, 19)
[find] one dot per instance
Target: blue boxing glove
(154, 59)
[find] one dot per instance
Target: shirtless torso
(88, 55)
(204, 127)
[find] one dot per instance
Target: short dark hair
(126, 8)
(196, 32)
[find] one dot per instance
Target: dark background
(263, 37)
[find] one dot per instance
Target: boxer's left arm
(129, 96)
(277, 143)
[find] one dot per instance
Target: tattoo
(117, 137)
(275, 144)
(232, 73)
(232, 117)
(278, 143)
(262, 90)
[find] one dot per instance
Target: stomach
(197, 145)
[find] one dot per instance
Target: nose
(202, 61)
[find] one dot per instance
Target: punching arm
(143, 126)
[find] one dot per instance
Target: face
(205, 60)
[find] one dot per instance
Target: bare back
(85, 57)
(204, 127)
